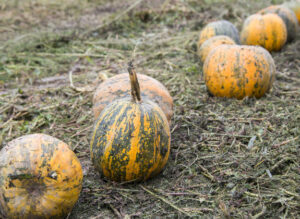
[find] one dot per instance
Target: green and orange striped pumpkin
(287, 15)
(118, 87)
(239, 71)
(41, 177)
(268, 31)
(131, 138)
(217, 28)
(212, 43)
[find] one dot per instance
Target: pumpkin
(294, 6)
(216, 28)
(287, 15)
(212, 43)
(40, 178)
(131, 138)
(118, 87)
(268, 31)
(239, 71)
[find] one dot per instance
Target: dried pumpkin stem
(135, 87)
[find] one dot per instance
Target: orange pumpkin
(41, 177)
(216, 28)
(131, 138)
(118, 87)
(287, 15)
(205, 48)
(294, 6)
(268, 31)
(239, 71)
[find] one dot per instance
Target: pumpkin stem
(135, 87)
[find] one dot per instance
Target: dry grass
(229, 158)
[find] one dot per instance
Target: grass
(229, 158)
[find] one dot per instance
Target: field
(229, 158)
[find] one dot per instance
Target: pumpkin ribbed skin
(216, 28)
(239, 71)
(131, 141)
(212, 43)
(294, 6)
(287, 15)
(268, 31)
(40, 178)
(118, 87)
